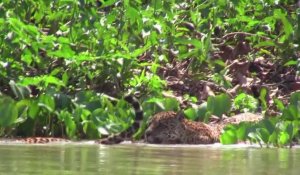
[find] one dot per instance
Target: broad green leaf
(81, 114)
(64, 52)
(27, 57)
(90, 129)
(30, 81)
(62, 101)
(289, 129)
(220, 62)
(265, 44)
(19, 91)
(296, 127)
(245, 103)
(46, 79)
(267, 124)
(16, 25)
(295, 99)
(242, 131)
(287, 26)
(190, 113)
(65, 78)
(202, 110)
(291, 113)
(171, 104)
(291, 63)
(8, 111)
(229, 137)
(273, 138)
(133, 14)
(48, 39)
(47, 101)
(52, 80)
(32, 30)
(254, 137)
(219, 104)
(279, 104)
(263, 135)
(23, 106)
(69, 123)
(106, 3)
(93, 105)
(193, 42)
(33, 109)
(284, 138)
(262, 96)
(157, 4)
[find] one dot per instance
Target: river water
(139, 159)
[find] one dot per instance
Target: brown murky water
(131, 159)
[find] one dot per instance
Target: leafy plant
(278, 131)
(65, 65)
(219, 104)
(245, 103)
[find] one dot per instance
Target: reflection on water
(144, 159)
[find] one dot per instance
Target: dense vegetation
(66, 64)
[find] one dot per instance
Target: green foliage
(91, 114)
(57, 56)
(198, 113)
(277, 131)
(8, 111)
(245, 103)
(229, 136)
(219, 104)
(154, 105)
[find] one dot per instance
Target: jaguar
(174, 128)
(169, 127)
(37, 140)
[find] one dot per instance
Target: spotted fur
(41, 140)
(174, 128)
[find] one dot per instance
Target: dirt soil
(243, 72)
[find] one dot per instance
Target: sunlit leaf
(291, 63)
(33, 109)
(283, 138)
(190, 113)
(242, 131)
(263, 135)
(46, 79)
(219, 104)
(47, 101)
(69, 122)
(262, 96)
(279, 104)
(228, 137)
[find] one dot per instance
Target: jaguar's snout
(149, 138)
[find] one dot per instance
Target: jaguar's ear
(180, 115)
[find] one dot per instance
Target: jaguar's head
(165, 128)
